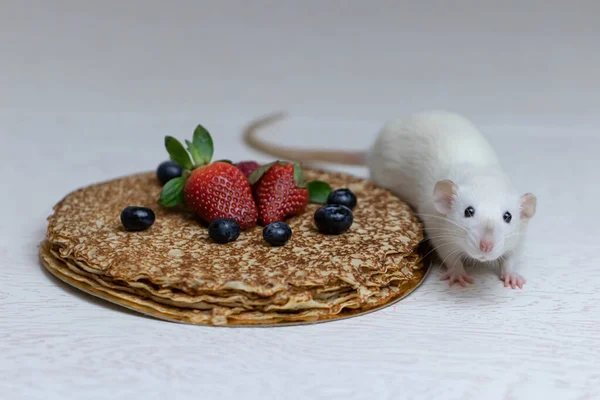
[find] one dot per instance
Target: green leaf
(318, 191)
(203, 146)
(225, 161)
(177, 152)
(172, 192)
(196, 156)
(299, 176)
(259, 172)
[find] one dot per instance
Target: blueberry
(224, 230)
(277, 233)
(136, 218)
(344, 197)
(333, 219)
(167, 171)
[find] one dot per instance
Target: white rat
(444, 168)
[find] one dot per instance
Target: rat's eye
(507, 217)
(469, 212)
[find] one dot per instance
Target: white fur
(412, 154)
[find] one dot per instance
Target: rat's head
(487, 214)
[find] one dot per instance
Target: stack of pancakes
(175, 272)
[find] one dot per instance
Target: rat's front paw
(457, 275)
(513, 280)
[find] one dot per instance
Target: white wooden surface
(89, 91)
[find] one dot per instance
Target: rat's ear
(444, 194)
(527, 205)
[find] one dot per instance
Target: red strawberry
(220, 190)
(210, 190)
(247, 167)
(279, 191)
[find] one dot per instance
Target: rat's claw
(460, 277)
(514, 281)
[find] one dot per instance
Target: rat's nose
(486, 246)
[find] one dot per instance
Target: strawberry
(211, 190)
(247, 167)
(221, 190)
(279, 191)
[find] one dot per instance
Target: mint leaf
(172, 192)
(318, 191)
(203, 146)
(225, 161)
(177, 152)
(299, 176)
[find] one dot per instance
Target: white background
(88, 89)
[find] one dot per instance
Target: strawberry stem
(299, 176)
(201, 149)
(177, 152)
(259, 172)
(172, 193)
(318, 191)
(202, 146)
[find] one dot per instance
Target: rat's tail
(304, 156)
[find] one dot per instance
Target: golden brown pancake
(175, 272)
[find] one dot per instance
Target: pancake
(173, 271)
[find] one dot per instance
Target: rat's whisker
(435, 232)
(435, 249)
(441, 229)
(444, 239)
(514, 234)
(441, 234)
(450, 255)
(442, 218)
(444, 234)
